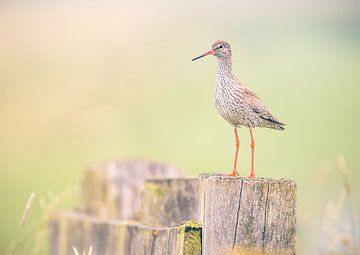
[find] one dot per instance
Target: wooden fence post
(247, 216)
(112, 237)
(112, 189)
(169, 201)
(123, 212)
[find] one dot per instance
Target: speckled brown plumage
(236, 103)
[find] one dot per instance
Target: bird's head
(220, 49)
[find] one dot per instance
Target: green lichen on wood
(168, 202)
(122, 237)
(154, 196)
(259, 250)
(189, 238)
(154, 189)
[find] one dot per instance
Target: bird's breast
(227, 92)
(229, 101)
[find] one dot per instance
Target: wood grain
(247, 214)
(110, 237)
(112, 189)
(169, 201)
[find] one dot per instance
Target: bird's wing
(257, 106)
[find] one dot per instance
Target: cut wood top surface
(236, 178)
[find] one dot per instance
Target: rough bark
(112, 189)
(71, 229)
(169, 201)
(241, 215)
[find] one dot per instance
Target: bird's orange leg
(252, 175)
(234, 172)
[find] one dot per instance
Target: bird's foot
(251, 176)
(233, 173)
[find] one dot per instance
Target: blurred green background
(83, 81)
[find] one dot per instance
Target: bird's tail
(274, 124)
(279, 127)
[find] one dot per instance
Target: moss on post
(112, 189)
(166, 202)
(189, 238)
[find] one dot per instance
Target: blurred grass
(90, 81)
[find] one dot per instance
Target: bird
(236, 103)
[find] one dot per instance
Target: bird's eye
(221, 46)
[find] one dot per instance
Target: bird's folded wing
(258, 107)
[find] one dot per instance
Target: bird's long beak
(210, 52)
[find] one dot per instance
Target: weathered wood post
(111, 217)
(169, 201)
(136, 208)
(247, 216)
(112, 189)
(112, 237)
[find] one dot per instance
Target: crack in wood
(203, 221)
(265, 214)
(238, 212)
(168, 250)
(153, 245)
(291, 188)
(128, 243)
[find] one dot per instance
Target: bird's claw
(233, 173)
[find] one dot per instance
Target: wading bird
(236, 103)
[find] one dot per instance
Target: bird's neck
(225, 66)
